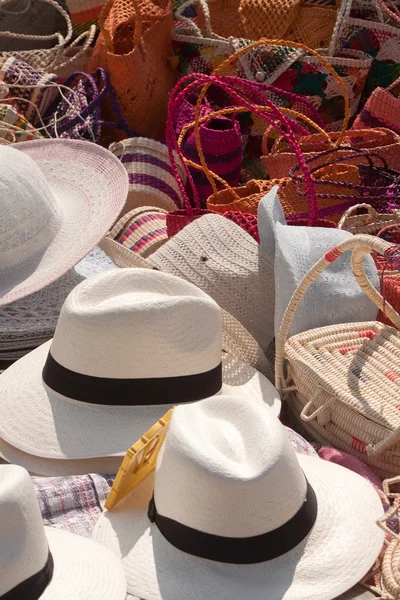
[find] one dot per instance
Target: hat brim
(341, 548)
(37, 421)
(52, 467)
(31, 321)
(82, 570)
(91, 185)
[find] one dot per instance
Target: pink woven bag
(382, 109)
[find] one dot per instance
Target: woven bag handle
(196, 31)
(349, 213)
(270, 113)
(265, 42)
(88, 37)
(54, 36)
(360, 245)
(137, 33)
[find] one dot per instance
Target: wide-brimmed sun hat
(224, 261)
(129, 344)
(39, 562)
(59, 198)
(233, 512)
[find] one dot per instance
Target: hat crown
(132, 323)
(23, 548)
(227, 468)
(30, 216)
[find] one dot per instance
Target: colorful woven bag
(342, 381)
(375, 37)
(152, 181)
(31, 90)
(134, 46)
(84, 13)
(14, 127)
(201, 50)
(382, 109)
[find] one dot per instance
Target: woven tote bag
(201, 50)
(382, 109)
(342, 381)
(134, 46)
(280, 159)
(375, 37)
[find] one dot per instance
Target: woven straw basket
(370, 222)
(343, 381)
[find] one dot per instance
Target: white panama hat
(129, 344)
(37, 562)
(232, 512)
(59, 198)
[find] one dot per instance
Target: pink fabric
(350, 462)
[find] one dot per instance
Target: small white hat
(59, 198)
(235, 513)
(336, 296)
(38, 562)
(128, 345)
(224, 261)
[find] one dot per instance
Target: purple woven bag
(78, 113)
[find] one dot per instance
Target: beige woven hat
(39, 562)
(224, 261)
(128, 345)
(59, 198)
(233, 512)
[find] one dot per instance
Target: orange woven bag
(134, 46)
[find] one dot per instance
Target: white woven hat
(128, 345)
(38, 562)
(31, 321)
(235, 513)
(336, 297)
(224, 261)
(59, 198)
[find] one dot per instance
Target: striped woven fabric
(14, 127)
(142, 230)
(151, 178)
(221, 142)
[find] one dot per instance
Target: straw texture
(343, 380)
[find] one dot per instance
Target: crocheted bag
(342, 380)
(134, 46)
(200, 50)
(374, 37)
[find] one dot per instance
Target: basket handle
(137, 33)
(88, 37)
(350, 211)
(196, 31)
(54, 36)
(265, 42)
(360, 245)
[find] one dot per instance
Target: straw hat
(39, 562)
(233, 512)
(59, 199)
(336, 296)
(128, 345)
(222, 260)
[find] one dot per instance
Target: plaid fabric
(72, 503)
